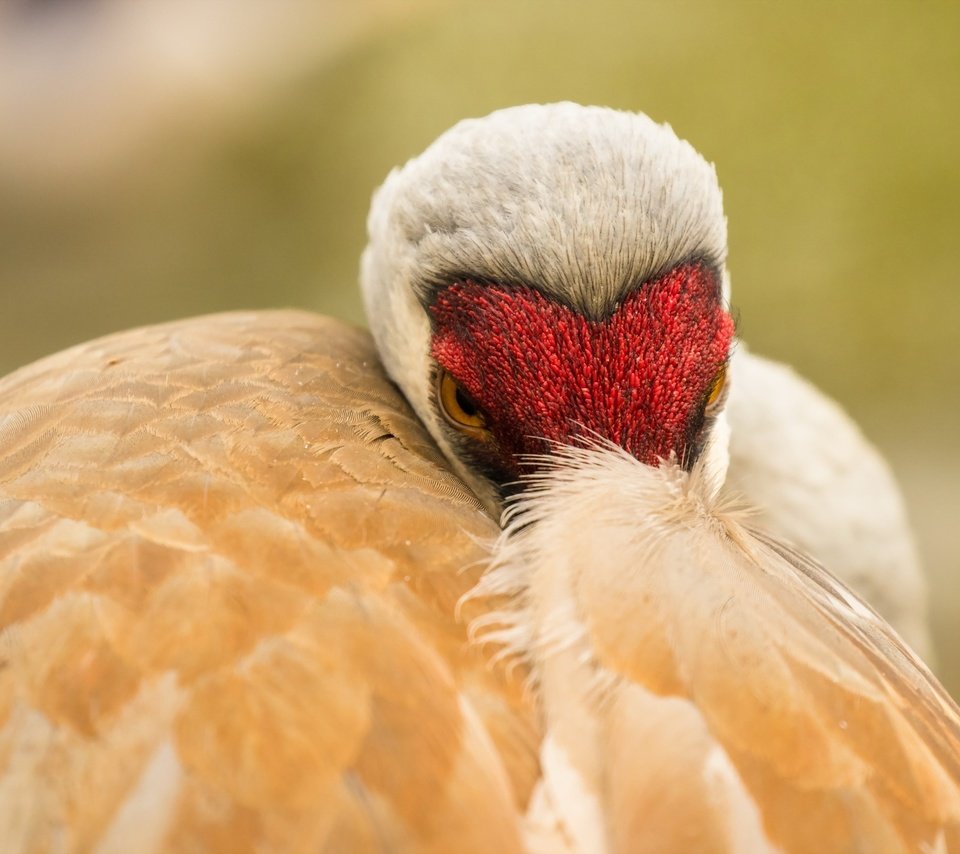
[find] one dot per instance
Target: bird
(484, 578)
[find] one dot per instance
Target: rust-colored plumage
(229, 563)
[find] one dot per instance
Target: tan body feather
(230, 565)
(236, 572)
(229, 561)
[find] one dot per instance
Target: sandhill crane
(255, 598)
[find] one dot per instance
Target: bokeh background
(161, 159)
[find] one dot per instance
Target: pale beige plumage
(237, 576)
(707, 687)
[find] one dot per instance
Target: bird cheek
(493, 459)
(695, 439)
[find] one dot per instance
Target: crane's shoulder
(229, 563)
(819, 483)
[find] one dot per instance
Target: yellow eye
(459, 408)
(717, 388)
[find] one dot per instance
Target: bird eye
(459, 408)
(716, 389)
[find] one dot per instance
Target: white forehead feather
(584, 203)
(581, 201)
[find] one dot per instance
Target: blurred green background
(167, 159)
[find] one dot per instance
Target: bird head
(553, 275)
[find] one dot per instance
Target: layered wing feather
(705, 688)
(229, 563)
